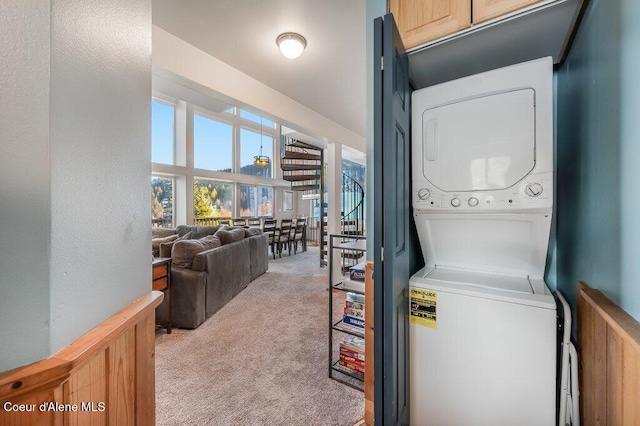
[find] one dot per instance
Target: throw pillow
(155, 243)
(198, 231)
(165, 248)
(228, 237)
(162, 232)
(184, 251)
(250, 232)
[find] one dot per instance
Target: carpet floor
(260, 360)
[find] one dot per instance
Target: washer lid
(480, 144)
(503, 288)
(508, 283)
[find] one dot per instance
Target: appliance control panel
(532, 192)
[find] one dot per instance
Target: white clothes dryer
(482, 320)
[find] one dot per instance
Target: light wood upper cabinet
(484, 10)
(420, 21)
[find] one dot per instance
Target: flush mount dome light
(291, 44)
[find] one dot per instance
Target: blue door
(392, 243)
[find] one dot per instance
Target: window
(162, 201)
(250, 143)
(212, 198)
(257, 119)
(162, 133)
(256, 201)
(212, 144)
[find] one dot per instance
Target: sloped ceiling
(329, 77)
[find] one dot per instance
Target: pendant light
(261, 160)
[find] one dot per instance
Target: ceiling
(329, 77)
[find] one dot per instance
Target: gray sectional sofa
(215, 276)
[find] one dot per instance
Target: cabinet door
(420, 21)
(484, 10)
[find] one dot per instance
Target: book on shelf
(354, 321)
(352, 361)
(356, 273)
(355, 297)
(351, 354)
(351, 366)
(354, 343)
(354, 305)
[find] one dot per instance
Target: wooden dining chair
(299, 234)
(284, 236)
(269, 228)
(254, 221)
(224, 221)
(239, 221)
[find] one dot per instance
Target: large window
(162, 201)
(211, 155)
(162, 133)
(212, 199)
(256, 201)
(250, 146)
(212, 144)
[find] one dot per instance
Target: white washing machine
(483, 322)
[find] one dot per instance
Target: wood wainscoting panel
(609, 341)
(108, 374)
(122, 363)
(146, 371)
(88, 386)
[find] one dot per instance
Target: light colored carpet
(260, 360)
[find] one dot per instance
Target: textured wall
(100, 161)
(24, 182)
(75, 163)
(598, 99)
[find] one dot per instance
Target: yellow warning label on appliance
(423, 307)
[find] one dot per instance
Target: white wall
(24, 182)
(75, 169)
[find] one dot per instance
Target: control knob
(423, 193)
(473, 201)
(455, 202)
(533, 189)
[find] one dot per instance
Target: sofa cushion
(162, 232)
(165, 248)
(230, 236)
(198, 231)
(184, 251)
(155, 243)
(250, 232)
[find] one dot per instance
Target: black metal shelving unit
(350, 248)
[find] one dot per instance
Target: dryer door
(479, 144)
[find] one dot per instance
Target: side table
(162, 282)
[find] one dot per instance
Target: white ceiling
(329, 77)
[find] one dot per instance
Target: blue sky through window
(256, 118)
(162, 133)
(213, 144)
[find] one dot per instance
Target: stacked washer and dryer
(483, 327)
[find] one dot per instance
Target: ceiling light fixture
(291, 44)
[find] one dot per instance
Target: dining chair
(254, 221)
(284, 236)
(269, 227)
(299, 234)
(224, 221)
(239, 221)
